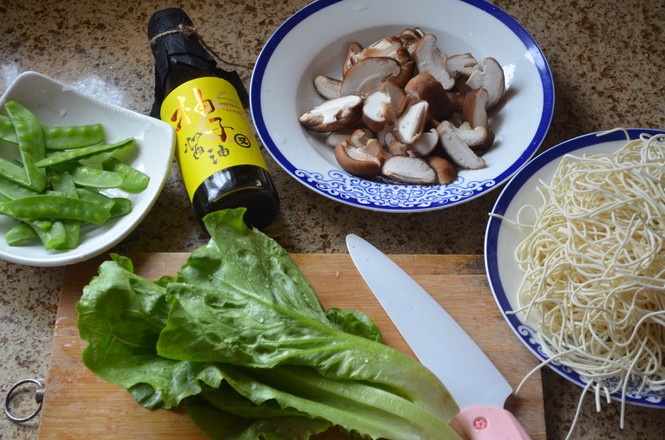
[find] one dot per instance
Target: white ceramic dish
(501, 241)
(57, 104)
(314, 41)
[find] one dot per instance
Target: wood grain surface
(78, 405)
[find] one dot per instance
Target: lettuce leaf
(240, 338)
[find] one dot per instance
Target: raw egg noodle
(594, 263)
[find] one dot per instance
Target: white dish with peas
(77, 174)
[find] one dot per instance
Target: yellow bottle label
(212, 130)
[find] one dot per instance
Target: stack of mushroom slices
(406, 110)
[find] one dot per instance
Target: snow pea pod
(7, 132)
(58, 137)
(117, 206)
(13, 172)
(55, 206)
(93, 196)
(13, 191)
(72, 136)
(20, 234)
(135, 180)
(96, 178)
(64, 183)
(30, 139)
(52, 234)
(121, 206)
(83, 153)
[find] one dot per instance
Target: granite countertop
(608, 63)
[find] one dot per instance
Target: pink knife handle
(489, 423)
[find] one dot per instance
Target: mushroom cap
(386, 47)
(397, 148)
(410, 38)
(327, 87)
(333, 114)
(474, 109)
(376, 110)
(362, 161)
(477, 138)
(426, 143)
(446, 172)
(407, 169)
(491, 78)
(462, 64)
(424, 86)
(352, 54)
(410, 124)
(430, 59)
(338, 136)
(367, 75)
(457, 150)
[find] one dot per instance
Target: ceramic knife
(441, 345)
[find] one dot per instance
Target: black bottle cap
(185, 48)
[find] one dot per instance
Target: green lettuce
(240, 339)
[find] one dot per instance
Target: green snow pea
(20, 234)
(65, 184)
(96, 178)
(72, 136)
(83, 153)
(13, 191)
(55, 206)
(7, 132)
(135, 180)
(58, 137)
(117, 206)
(92, 196)
(121, 206)
(13, 172)
(52, 234)
(30, 139)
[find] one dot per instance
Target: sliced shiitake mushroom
(462, 64)
(384, 106)
(360, 155)
(408, 169)
(457, 150)
(474, 109)
(430, 59)
(411, 123)
(477, 138)
(425, 87)
(446, 172)
(404, 118)
(410, 38)
(333, 114)
(426, 143)
(327, 87)
(491, 78)
(366, 76)
(352, 54)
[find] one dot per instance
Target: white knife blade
(440, 344)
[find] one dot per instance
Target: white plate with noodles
(579, 277)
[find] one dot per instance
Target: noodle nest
(594, 288)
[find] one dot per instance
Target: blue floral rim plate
(501, 241)
(314, 40)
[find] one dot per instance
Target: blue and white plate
(502, 239)
(315, 40)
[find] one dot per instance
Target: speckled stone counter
(608, 63)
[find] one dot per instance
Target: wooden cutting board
(78, 405)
